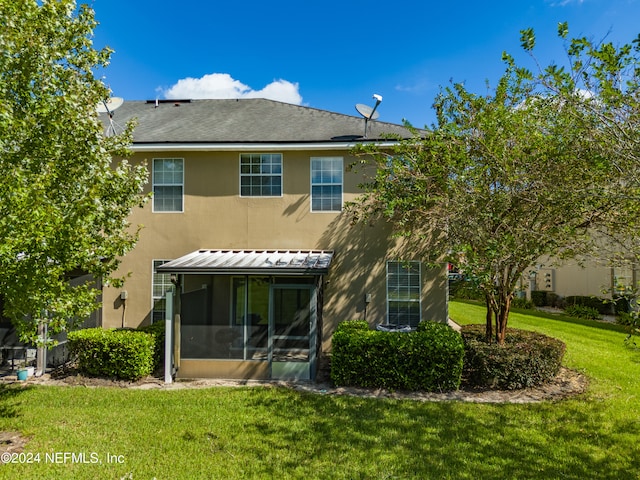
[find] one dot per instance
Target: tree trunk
(498, 301)
(502, 317)
(489, 320)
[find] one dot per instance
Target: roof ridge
(280, 102)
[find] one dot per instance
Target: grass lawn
(259, 432)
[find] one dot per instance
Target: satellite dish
(367, 112)
(108, 106)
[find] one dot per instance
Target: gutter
(285, 271)
(251, 147)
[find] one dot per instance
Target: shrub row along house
(247, 223)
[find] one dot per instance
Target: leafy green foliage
(602, 306)
(523, 304)
(123, 354)
(555, 300)
(524, 360)
(64, 202)
(351, 325)
(429, 359)
(539, 298)
(465, 289)
(487, 187)
(631, 322)
(582, 311)
(158, 331)
(600, 86)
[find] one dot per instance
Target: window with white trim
(260, 174)
(326, 184)
(403, 293)
(160, 284)
(168, 184)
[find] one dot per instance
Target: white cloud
(222, 85)
(563, 3)
(418, 87)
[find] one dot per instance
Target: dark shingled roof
(244, 121)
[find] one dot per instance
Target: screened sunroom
(247, 313)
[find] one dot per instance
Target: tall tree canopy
(63, 204)
(600, 82)
(505, 178)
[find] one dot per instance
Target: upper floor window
(403, 293)
(326, 184)
(168, 184)
(260, 174)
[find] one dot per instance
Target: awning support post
(168, 337)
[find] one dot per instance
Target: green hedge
(523, 304)
(157, 330)
(582, 311)
(124, 354)
(429, 359)
(602, 305)
(352, 325)
(526, 359)
(539, 298)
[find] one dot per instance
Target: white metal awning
(251, 262)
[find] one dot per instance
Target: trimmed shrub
(602, 305)
(539, 298)
(522, 303)
(429, 359)
(124, 354)
(555, 300)
(351, 325)
(582, 311)
(543, 298)
(525, 360)
(157, 330)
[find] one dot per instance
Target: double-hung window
(326, 184)
(160, 283)
(168, 184)
(261, 174)
(403, 293)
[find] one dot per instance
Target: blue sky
(333, 54)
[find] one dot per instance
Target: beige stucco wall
(584, 277)
(590, 279)
(215, 216)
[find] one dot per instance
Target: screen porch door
(292, 331)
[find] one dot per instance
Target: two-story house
(247, 222)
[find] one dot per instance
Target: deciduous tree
(63, 204)
(504, 178)
(600, 82)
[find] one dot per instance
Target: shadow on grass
(367, 438)
(8, 394)
(633, 347)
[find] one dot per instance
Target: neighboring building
(247, 220)
(588, 277)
